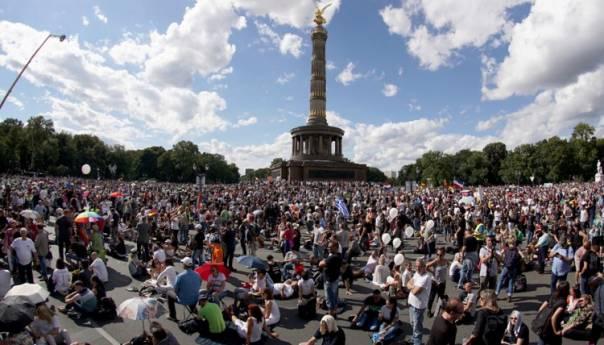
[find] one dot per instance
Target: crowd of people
(329, 236)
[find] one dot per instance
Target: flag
(457, 184)
(341, 205)
(199, 201)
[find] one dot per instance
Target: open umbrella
(141, 308)
(31, 292)
(16, 312)
(251, 262)
(117, 195)
(205, 270)
(87, 217)
(31, 214)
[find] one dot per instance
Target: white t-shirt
(170, 274)
(306, 287)
(159, 255)
(24, 250)
(420, 301)
(317, 232)
(492, 270)
(288, 291)
(99, 269)
(62, 279)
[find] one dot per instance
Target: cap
(203, 295)
(187, 261)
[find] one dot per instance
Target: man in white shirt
(488, 265)
(318, 249)
(419, 292)
(167, 278)
(26, 254)
(97, 266)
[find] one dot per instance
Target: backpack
(107, 310)
(189, 326)
(541, 325)
(494, 328)
(511, 259)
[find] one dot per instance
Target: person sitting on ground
(390, 325)
(307, 306)
(274, 269)
(285, 290)
(455, 268)
(329, 332)
(117, 249)
(98, 288)
(251, 329)
(46, 328)
(517, 332)
(216, 284)
(82, 299)
(211, 321)
(61, 278)
(98, 267)
(271, 312)
(186, 289)
(160, 336)
(368, 315)
(83, 274)
(469, 300)
(381, 272)
(580, 321)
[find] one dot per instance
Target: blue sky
(232, 76)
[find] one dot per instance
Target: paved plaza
(291, 329)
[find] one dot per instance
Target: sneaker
(132, 289)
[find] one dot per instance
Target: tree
(583, 131)
(494, 153)
(276, 161)
(375, 175)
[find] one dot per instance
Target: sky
(403, 77)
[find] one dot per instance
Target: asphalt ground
(291, 329)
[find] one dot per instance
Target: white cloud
(201, 39)
(12, 99)
(85, 21)
(400, 71)
(347, 75)
(99, 14)
(285, 78)
(288, 44)
(222, 74)
(330, 65)
(298, 14)
(246, 122)
(390, 90)
(291, 44)
(438, 29)
(129, 51)
(485, 125)
(536, 61)
(413, 105)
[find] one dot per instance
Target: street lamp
(61, 39)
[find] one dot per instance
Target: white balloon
(396, 243)
(86, 169)
(393, 213)
(429, 224)
(409, 231)
(399, 259)
(386, 238)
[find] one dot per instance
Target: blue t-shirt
(561, 267)
(187, 287)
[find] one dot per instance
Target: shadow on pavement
(116, 279)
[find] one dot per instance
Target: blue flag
(341, 205)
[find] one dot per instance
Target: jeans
(555, 279)
(584, 286)
(197, 256)
(416, 318)
(228, 257)
(318, 251)
(510, 275)
(183, 234)
(542, 255)
(369, 321)
(43, 272)
(331, 293)
(467, 269)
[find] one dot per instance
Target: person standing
(42, 248)
(470, 258)
(142, 240)
(444, 329)
(331, 276)
(589, 266)
(511, 268)
(491, 322)
(562, 255)
(63, 227)
(438, 267)
(419, 292)
(488, 265)
(542, 247)
(229, 238)
(25, 251)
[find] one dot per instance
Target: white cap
(187, 261)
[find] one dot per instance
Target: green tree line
(37, 147)
(550, 160)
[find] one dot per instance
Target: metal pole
(62, 38)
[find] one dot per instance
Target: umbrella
(117, 195)
(31, 214)
(205, 270)
(16, 312)
(141, 308)
(32, 292)
(251, 262)
(293, 255)
(87, 217)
